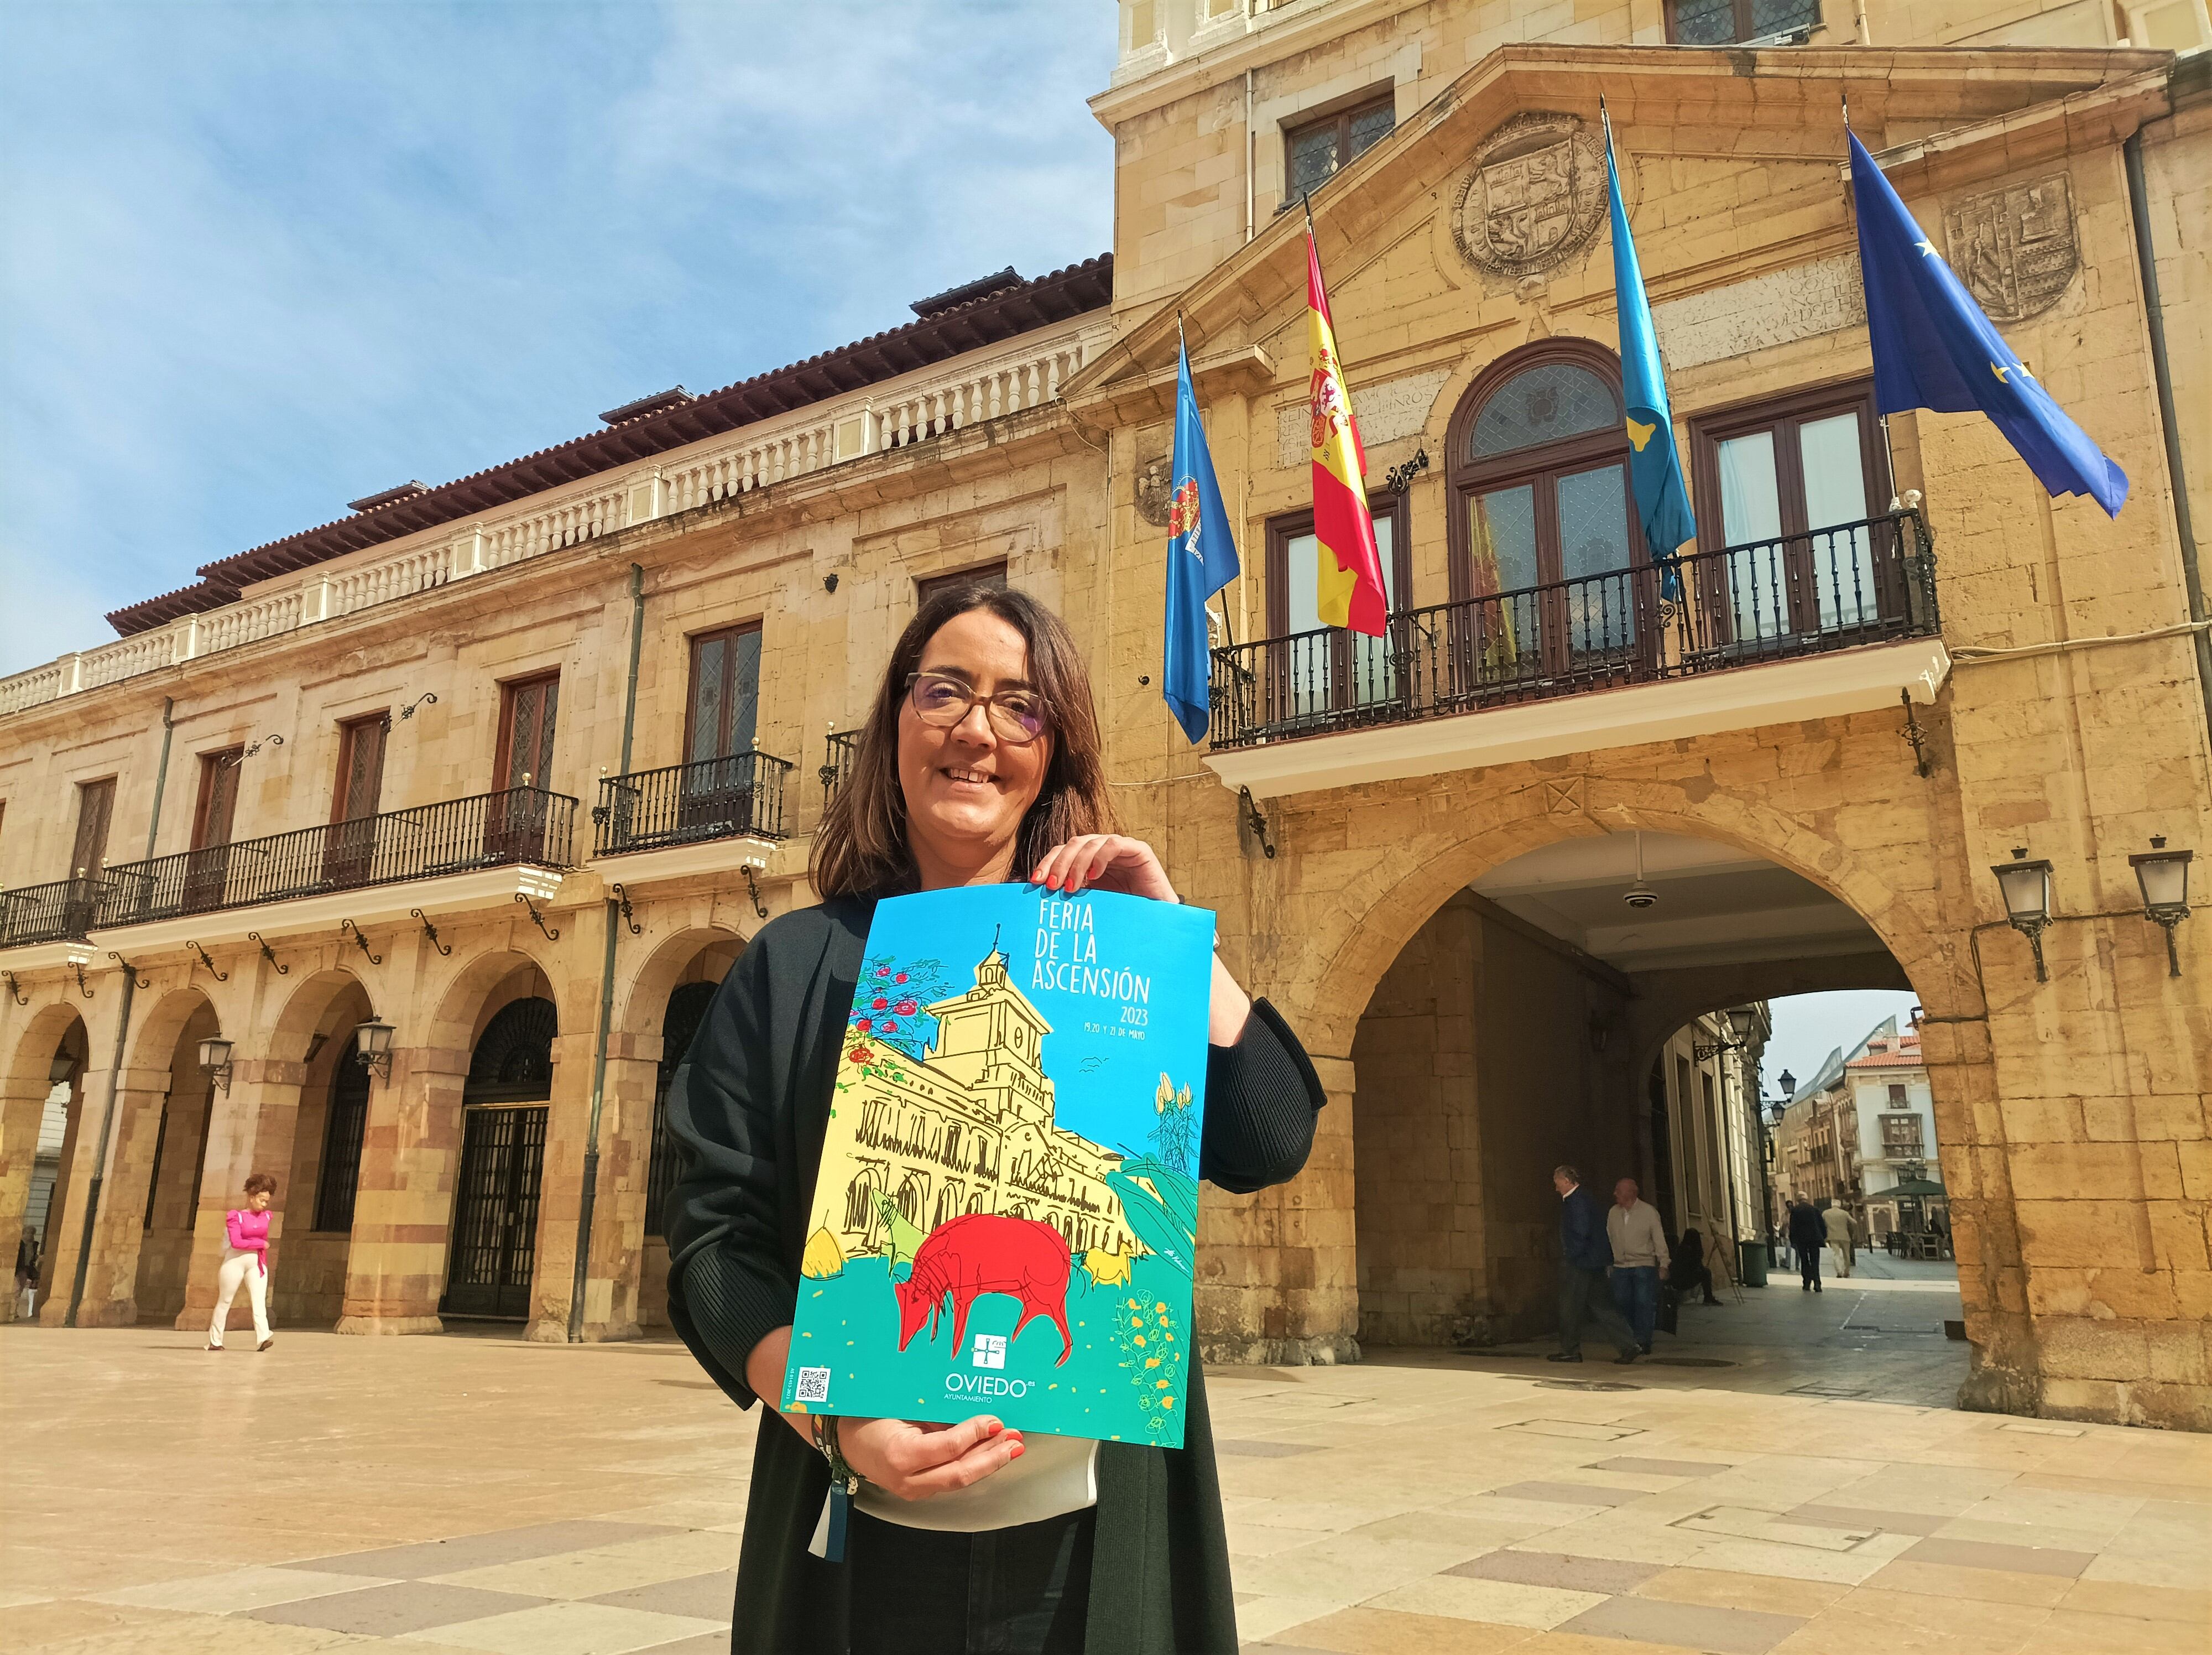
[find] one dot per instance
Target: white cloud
(264, 259)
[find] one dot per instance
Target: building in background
(388, 789)
(1900, 1184)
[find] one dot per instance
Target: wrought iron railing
(490, 829)
(684, 803)
(62, 911)
(844, 747)
(1804, 595)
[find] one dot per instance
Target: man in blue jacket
(1584, 1254)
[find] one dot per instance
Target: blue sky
(263, 260)
(1808, 1027)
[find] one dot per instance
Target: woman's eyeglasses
(1017, 715)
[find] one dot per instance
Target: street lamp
(59, 1071)
(215, 1060)
(2163, 876)
(372, 1047)
(1743, 1023)
(2026, 888)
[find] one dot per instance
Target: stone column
(110, 1283)
(560, 1185)
(410, 1158)
(619, 1215)
(250, 1131)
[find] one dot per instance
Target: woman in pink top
(245, 1259)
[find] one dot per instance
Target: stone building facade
(559, 732)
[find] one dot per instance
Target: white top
(1054, 1475)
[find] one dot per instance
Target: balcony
(1840, 620)
(484, 848)
(687, 813)
(844, 750)
(62, 911)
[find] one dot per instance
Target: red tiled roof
(1901, 1052)
(1000, 313)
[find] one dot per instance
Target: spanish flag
(1347, 569)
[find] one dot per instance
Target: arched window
(1543, 529)
(513, 1058)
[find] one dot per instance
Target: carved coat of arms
(2015, 248)
(1154, 486)
(1534, 196)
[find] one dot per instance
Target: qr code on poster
(813, 1385)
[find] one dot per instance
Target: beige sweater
(1636, 1234)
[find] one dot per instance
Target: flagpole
(1227, 631)
(1888, 449)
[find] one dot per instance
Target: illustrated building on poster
(970, 1129)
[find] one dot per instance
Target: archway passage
(43, 1097)
(169, 1204)
(682, 1014)
(504, 1101)
(1542, 1017)
(321, 1192)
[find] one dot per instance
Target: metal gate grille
(495, 1214)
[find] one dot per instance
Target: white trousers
(1843, 1257)
(237, 1268)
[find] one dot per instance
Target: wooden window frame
(1340, 118)
(1281, 531)
(927, 586)
(1709, 430)
(1743, 27)
(694, 642)
(107, 829)
(1465, 477)
(349, 733)
(212, 766)
(503, 748)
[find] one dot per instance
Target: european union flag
(1654, 469)
(1201, 560)
(1933, 348)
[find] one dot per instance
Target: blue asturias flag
(1933, 348)
(1654, 469)
(1201, 560)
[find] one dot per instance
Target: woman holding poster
(979, 764)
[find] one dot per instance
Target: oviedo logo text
(990, 1352)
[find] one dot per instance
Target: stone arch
(475, 991)
(315, 1088)
(34, 1189)
(640, 1005)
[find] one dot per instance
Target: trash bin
(1752, 1268)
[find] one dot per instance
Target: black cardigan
(750, 1107)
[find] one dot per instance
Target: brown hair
(862, 845)
(259, 1182)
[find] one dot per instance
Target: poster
(1007, 1213)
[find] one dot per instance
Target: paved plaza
(1787, 1477)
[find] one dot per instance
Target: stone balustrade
(1026, 375)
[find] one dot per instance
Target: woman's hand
(1105, 862)
(913, 1461)
(1113, 862)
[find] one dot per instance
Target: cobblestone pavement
(484, 1494)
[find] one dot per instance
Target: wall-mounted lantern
(2163, 876)
(372, 1047)
(2026, 888)
(215, 1060)
(60, 1072)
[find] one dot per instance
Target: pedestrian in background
(1836, 1225)
(26, 1273)
(246, 1263)
(1638, 1242)
(1808, 1235)
(1688, 1271)
(1584, 1253)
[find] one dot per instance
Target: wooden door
(514, 825)
(350, 856)
(95, 808)
(207, 868)
(715, 795)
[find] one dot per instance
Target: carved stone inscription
(2015, 248)
(1534, 197)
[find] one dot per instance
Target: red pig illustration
(983, 1253)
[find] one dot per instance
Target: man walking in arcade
(1584, 1253)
